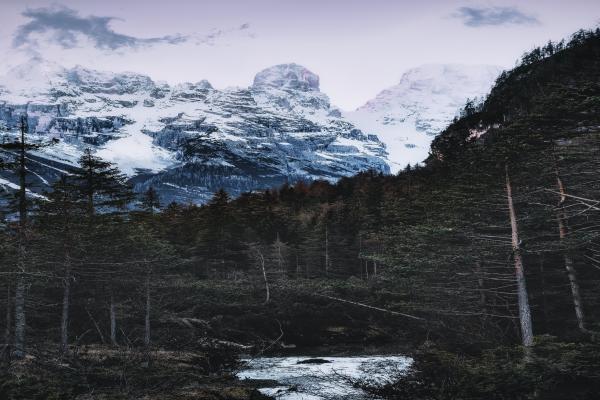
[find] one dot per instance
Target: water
(331, 380)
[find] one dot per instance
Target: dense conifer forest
(483, 263)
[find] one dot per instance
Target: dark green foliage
(101, 184)
(554, 371)
(123, 375)
(150, 202)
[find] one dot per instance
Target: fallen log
(371, 307)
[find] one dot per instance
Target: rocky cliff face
(191, 139)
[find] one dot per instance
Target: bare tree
(524, 310)
(64, 323)
(569, 266)
(279, 255)
(326, 249)
(258, 254)
(20, 322)
(480, 285)
(148, 304)
(113, 320)
(8, 317)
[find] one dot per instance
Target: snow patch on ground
(8, 184)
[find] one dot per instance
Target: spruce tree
(101, 184)
(19, 149)
(150, 201)
(106, 193)
(59, 222)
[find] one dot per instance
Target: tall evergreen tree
(60, 219)
(19, 149)
(105, 191)
(101, 184)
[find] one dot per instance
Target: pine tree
(105, 191)
(59, 219)
(150, 201)
(101, 184)
(220, 240)
(20, 148)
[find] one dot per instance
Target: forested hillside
(492, 243)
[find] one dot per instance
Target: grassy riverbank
(96, 372)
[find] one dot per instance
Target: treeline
(84, 261)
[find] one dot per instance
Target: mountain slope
(408, 115)
(189, 140)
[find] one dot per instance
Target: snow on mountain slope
(408, 115)
(188, 140)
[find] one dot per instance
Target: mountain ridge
(190, 139)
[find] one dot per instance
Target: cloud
(66, 27)
(477, 17)
(212, 36)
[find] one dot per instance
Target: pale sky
(357, 47)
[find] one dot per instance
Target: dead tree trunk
(96, 325)
(113, 320)
(8, 316)
(279, 256)
(22, 175)
(481, 286)
(524, 310)
(21, 284)
(571, 272)
(64, 323)
(20, 317)
(261, 260)
(359, 256)
(543, 289)
(326, 250)
(147, 314)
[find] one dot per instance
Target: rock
(288, 76)
(91, 81)
(335, 113)
(314, 361)
(204, 84)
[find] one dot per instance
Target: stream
(318, 378)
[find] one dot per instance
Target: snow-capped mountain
(408, 115)
(187, 140)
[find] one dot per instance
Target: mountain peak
(204, 84)
(35, 73)
(93, 81)
(448, 84)
(287, 76)
(409, 114)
